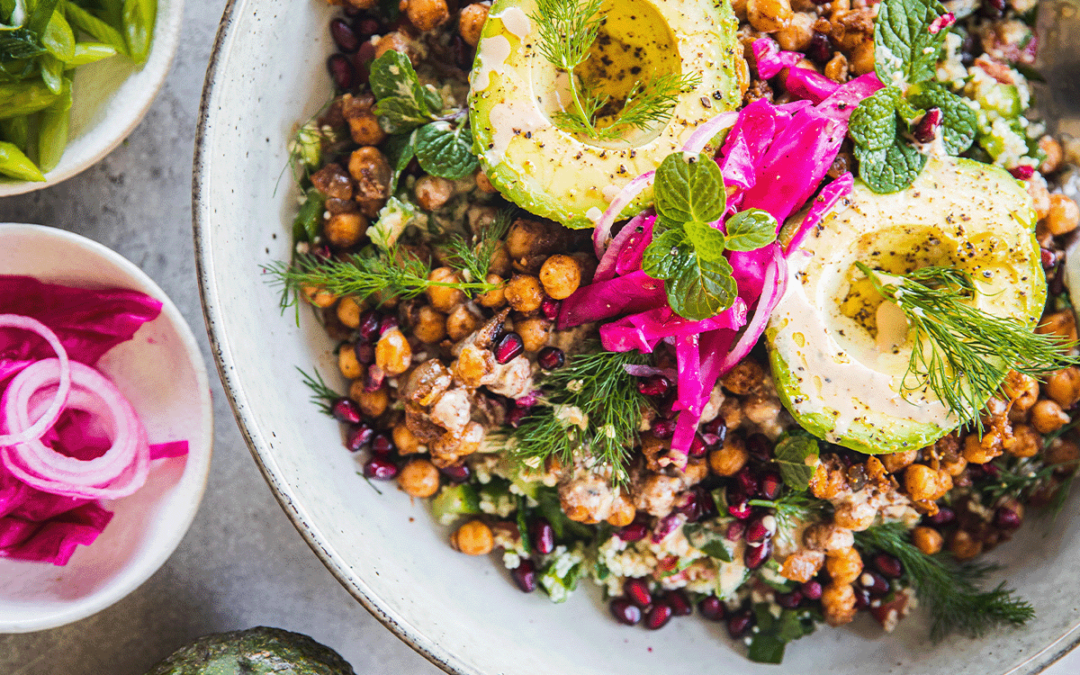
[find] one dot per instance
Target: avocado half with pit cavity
(514, 91)
(839, 353)
(257, 651)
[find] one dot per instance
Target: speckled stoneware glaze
(463, 613)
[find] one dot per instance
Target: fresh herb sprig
(797, 453)
(1013, 480)
(791, 508)
(773, 632)
(568, 29)
(948, 588)
(321, 394)
(688, 254)
(474, 256)
(908, 35)
(590, 405)
(960, 352)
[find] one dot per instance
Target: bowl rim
(166, 35)
(201, 468)
(399, 625)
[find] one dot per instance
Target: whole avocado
(256, 651)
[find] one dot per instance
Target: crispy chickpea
(954, 467)
(444, 298)
(426, 14)
(561, 276)
(838, 604)
(827, 537)
(348, 364)
(1024, 442)
(419, 478)
(745, 378)
(921, 482)
(827, 481)
(1022, 390)
(1040, 195)
(348, 312)
(844, 566)
(739, 7)
(802, 566)
(1064, 215)
(524, 293)
(430, 325)
(398, 42)
(964, 546)
(1052, 149)
(1061, 324)
(344, 230)
(1063, 452)
(372, 403)
(862, 58)
(729, 457)
(365, 129)
(837, 68)
(1047, 416)
(534, 332)
(461, 322)
(405, 440)
(495, 298)
(473, 538)
(622, 512)
(500, 261)
(371, 171)
(927, 539)
(433, 192)
(768, 16)
(393, 353)
(761, 409)
(320, 297)
(898, 461)
(483, 183)
(977, 452)
(854, 517)
(333, 181)
(470, 23)
(1064, 386)
(796, 35)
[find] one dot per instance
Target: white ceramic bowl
(110, 98)
(162, 373)
(463, 613)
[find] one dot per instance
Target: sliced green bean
(95, 27)
(139, 17)
(53, 130)
(15, 163)
(58, 38)
(16, 130)
(90, 52)
(23, 98)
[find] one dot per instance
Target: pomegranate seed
(625, 612)
(1048, 258)
(874, 583)
(524, 575)
(811, 590)
(1022, 172)
(759, 447)
(770, 485)
(697, 446)
(735, 530)
(663, 429)
(1006, 518)
(789, 600)
(654, 385)
(515, 415)
(368, 27)
(373, 379)
(820, 49)
(342, 72)
(635, 531)
(888, 565)
(551, 358)
(388, 322)
(658, 616)
(716, 428)
(666, 526)
(740, 623)
(542, 535)
(862, 597)
(358, 436)
(365, 352)
(550, 308)
(748, 483)
(680, 604)
(756, 555)
(322, 251)
(926, 129)
(345, 410)
(344, 36)
(456, 473)
(741, 510)
(944, 516)
(989, 469)
(637, 590)
(382, 445)
(508, 347)
(528, 400)
(759, 528)
(712, 608)
(369, 325)
(698, 504)
(942, 22)
(380, 468)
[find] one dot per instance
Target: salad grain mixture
(757, 307)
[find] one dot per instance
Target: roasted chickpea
(978, 452)
(828, 481)
(796, 35)
(895, 462)
(1063, 452)
(430, 325)
(393, 353)
(461, 322)
(622, 512)
(802, 566)
(470, 23)
(561, 276)
(729, 457)
(927, 539)
(483, 183)
(954, 467)
(495, 298)
(372, 174)
(964, 546)
(365, 129)
(1022, 390)
(862, 58)
(333, 181)
(426, 14)
(406, 441)
(854, 516)
(1052, 149)
(433, 192)
(348, 364)
(745, 378)
(500, 261)
(534, 332)
(1064, 386)
(1061, 324)
(320, 297)
(444, 298)
(761, 409)
(828, 537)
(1040, 195)
(398, 42)
(837, 68)
(838, 604)
(844, 566)
(768, 16)
(419, 478)
(372, 403)
(348, 312)
(345, 230)
(472, 538)
(524, 293)
(1064, 215)
(1047, 416)
(923, 483)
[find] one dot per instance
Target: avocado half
(257, 651)
(514, 91)
(836, 369)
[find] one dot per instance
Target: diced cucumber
(454, 501)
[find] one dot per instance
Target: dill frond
(793, 508)
(321, 394)
(475, 258)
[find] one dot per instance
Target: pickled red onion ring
(44, 423)
(708, 131)
(118, 472)
(602, 231)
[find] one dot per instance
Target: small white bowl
(110, 98)
(162, 373)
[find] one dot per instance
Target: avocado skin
(256, 651)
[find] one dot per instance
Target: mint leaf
(891, 169)
(701, 288)
(661, 258)
(903, 43)
(402, 103)
(873, 124)
(797, 455)
(687, 191)
(399, 115)
(750, 230)
(708, 241)
(709, 538)
(444, 151)
(399, 150)
(960, 123)
(774, 633)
